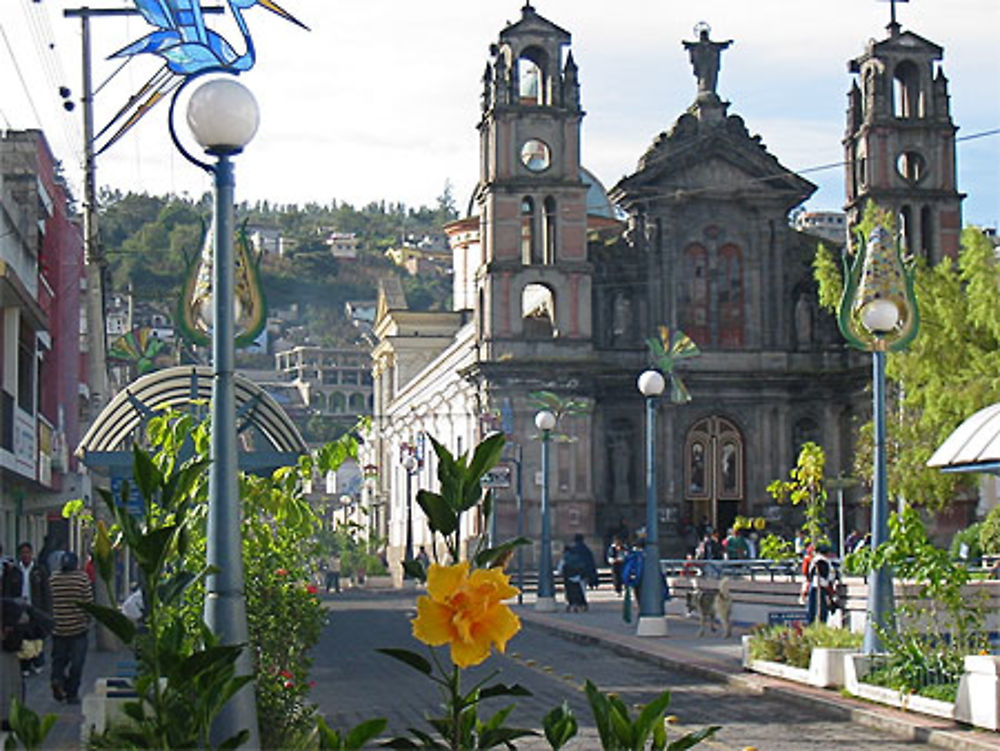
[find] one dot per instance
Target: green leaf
(361, 734)
(441, 518)
(500, 689)
(113, 619)
(489, 557)
(151, 549)
(415, 661)
(147, 475)
(651, 716)
(236, 741)
(414, 570)
(693, 739)
(560, 726)
(486, 456)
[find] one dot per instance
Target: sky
(380, 98)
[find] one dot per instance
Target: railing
(753, 569)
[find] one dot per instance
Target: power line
(20, 75)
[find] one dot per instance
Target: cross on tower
(893, 25)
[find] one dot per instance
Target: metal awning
(974, 446)
(108, 441)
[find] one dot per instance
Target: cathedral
(559, 284)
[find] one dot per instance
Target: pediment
(532, 24)
(693, 161)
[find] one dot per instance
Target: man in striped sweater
(69, 586)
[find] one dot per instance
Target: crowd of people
(40, 596)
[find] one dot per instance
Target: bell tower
(533, 282)
(900, 142)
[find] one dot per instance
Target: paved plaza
(552, 656)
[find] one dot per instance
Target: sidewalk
(711, 657)
(719, 659)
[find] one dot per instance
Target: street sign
(498, 477)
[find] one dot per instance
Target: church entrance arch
(714, 485)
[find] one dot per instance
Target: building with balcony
(42, 363)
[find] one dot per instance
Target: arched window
(906, 227)
(532, 86)
(695, 320)
(927, 233)
(318, 399)
(549, 230)
(907, 96)
(356, 403)
(338, 403)
(730, 294)
(538, 311)
(529, 247)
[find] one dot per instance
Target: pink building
(41, 362)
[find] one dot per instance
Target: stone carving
(705, 59)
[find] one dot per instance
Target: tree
(948, 372)
(805, 487)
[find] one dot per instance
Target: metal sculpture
(667, 351)
(188, 47)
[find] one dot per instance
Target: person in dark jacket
(36, 593)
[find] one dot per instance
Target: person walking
(572, 569)
(333, 573)
(36, 593)
(71, 624)
(820, 586)
(616, 559)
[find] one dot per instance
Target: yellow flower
(466, 610)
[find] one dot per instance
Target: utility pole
(94, 260)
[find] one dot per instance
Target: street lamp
(223, 117)
(652, 621)
(545, 602)
(878, 314)
(410, 465)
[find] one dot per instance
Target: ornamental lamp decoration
(671, 347)
(878, 308)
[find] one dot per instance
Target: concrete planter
(857, 666)
(979, 692)
(826, 667)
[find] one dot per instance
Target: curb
(906, 726)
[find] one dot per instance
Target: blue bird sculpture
(188, 47)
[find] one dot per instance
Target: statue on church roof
(705, 59)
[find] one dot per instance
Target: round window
(535, 155)
(911, 167)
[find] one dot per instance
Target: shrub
(989, 532)
(970, 537)
(793, 644)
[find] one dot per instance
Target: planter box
(979, 692)
(857, 666)
(826, 667)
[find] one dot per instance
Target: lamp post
(545, 602)
(652, 621)
(223, 117)
(878, 314)
(410, 465)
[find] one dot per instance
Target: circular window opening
(911, 167)
(535, 155)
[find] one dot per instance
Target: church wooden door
(714, 472)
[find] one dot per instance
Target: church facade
(558, 285)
